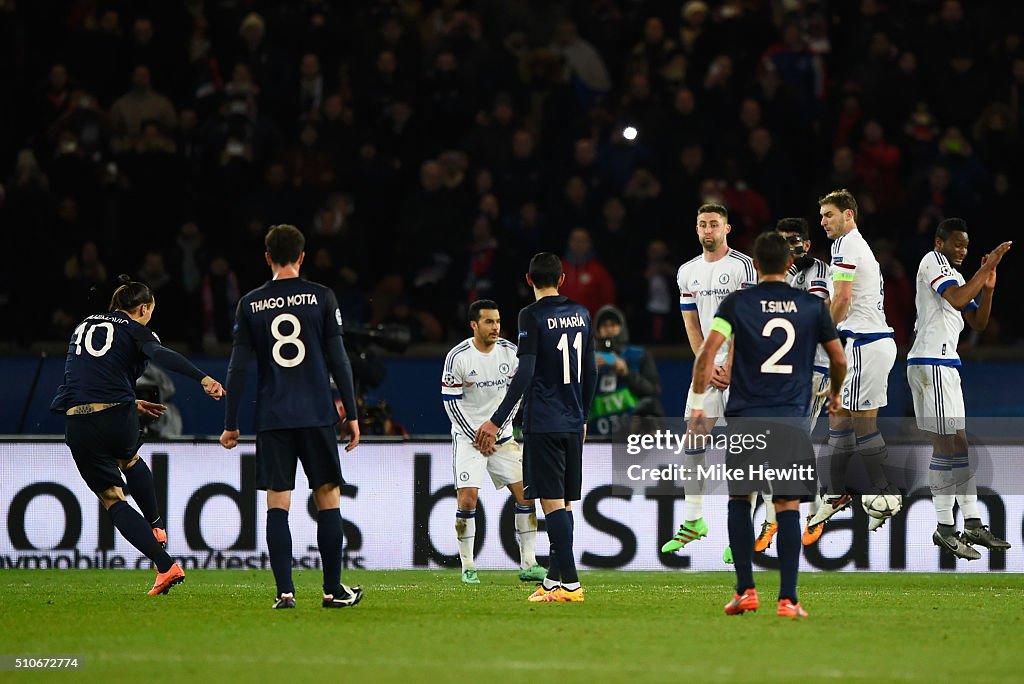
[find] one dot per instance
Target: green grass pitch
(425, 626)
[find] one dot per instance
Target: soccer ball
(881, 506)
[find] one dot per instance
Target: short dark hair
(130, 294)
(946, 228)
(842, 199)
(793, 225)
(772, 253)
(545, 269)
(713, 208)
(285, 244)
(479, 305)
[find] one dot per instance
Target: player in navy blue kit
(777, 329)
(108, 352)
(294, 329)
(556, 378)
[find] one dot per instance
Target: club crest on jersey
(504, 368)
(724, 278)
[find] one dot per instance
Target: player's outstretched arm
(240, 354)
(168, 359)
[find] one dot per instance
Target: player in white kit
(944, 300)
(473, 383)
(704, 282)
(859, 313)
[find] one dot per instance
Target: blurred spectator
(627, 377)
(658, 317)
(137, 106)
(220, 295)
(583, 64)
(587, 281)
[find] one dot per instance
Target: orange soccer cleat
(742, 603)
(791, 610)
(166, 580)
(764, 540)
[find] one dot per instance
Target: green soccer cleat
(689, 531)
(727, 555)
(535, 573)
(469, 577)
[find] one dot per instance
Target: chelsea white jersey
(938, 326)
(704, 284)
(853, 260)
(815, 280)
(473, 384)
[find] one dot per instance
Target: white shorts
(505, 466)
(867, 379)
(714, 402)
(938, 399)
(819, 383)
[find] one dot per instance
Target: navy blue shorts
(278, 452)
(99, 440)
(774, 457)
(553, 465)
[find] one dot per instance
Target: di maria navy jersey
(556, 347)
(107, 353)
(289, 324)
(776, 330)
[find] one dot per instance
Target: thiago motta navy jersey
(290, 324)
(777, 329)
(107, 353)
(557, 334)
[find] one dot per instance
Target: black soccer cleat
(953, 543)
(343, 598)
(284, 601)
(982, 536)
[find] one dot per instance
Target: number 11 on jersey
(563, 345)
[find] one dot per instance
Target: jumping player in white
(944, 300)
(473, 383)
(704, 282)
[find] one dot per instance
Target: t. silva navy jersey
(776, 330)
(559, 333)
(287, 323)
(107, 353)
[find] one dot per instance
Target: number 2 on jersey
(771, 364)
(563, 345)
(289, 339)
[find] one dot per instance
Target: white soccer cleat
(830, 505)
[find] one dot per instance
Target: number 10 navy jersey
(776, 331)
(287, 323)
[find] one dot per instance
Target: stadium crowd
(428, 149)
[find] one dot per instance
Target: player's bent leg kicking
(139, 478)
